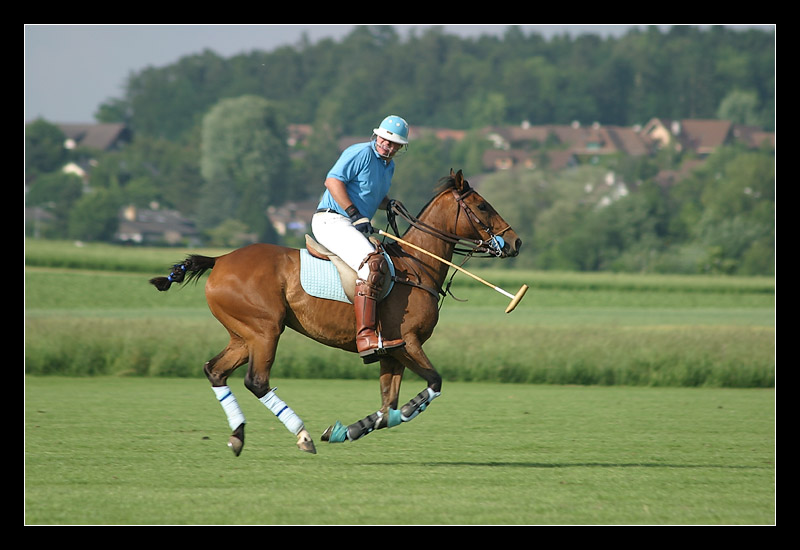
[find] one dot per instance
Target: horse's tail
(190, 269)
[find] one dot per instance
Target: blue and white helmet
(393, 128)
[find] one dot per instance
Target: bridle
(493, 247)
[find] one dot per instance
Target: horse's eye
(482, 207)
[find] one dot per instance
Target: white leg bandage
(229, 405)
(283, 412)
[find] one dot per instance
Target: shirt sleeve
(350, 163)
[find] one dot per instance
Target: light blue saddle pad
(320, 278)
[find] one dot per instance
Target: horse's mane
(444, 184)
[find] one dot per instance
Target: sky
(70, 70)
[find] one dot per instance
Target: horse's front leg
(390, 379)
(415, 359)
(386, 417)
(389, 415)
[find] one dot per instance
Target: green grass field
(589, 329)
(127, 451)
(602, 399)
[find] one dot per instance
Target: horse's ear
(461, 183)
(452, 174)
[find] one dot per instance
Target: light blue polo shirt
(366, 176)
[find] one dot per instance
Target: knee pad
(378, 268)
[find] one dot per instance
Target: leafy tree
(56, 193)
(633, 228)
(311, 163)
(487, 109)
(467, 154)
(727, 207)
(95, 216)
(115, 110)
(532, 89)
(739, 207)
(230, 233)
(740, 107)
(152, 169)
(44, 148)
(167, 102)
(244, 159)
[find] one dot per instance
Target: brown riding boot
(368, 341)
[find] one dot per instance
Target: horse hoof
(335, 434)
(307, 446)
(326, 435)
(305, 443)
(236, 445)
(236, 441)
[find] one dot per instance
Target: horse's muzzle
(510, 251)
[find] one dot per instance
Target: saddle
(315, 276)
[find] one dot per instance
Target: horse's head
(477, 220)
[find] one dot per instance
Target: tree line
(210, 138)
(437, 79)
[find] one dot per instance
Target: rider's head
(391, 135)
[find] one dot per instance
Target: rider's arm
(338, 192)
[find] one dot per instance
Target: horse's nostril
(518, 245)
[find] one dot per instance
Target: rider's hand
(363, 225)
(360, 222)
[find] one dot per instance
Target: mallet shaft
(501, 291)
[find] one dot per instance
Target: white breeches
(337, 234)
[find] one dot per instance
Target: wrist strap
(353, 212)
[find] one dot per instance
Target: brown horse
(255, 292)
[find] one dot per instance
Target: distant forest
(437, 79)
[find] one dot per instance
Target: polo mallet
(515, 298)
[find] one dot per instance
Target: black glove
(360, 222)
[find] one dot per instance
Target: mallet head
(520, 293)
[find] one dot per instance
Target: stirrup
(382, 348)
(374, 355)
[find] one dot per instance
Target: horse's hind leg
(217, 371)
(262, 356)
